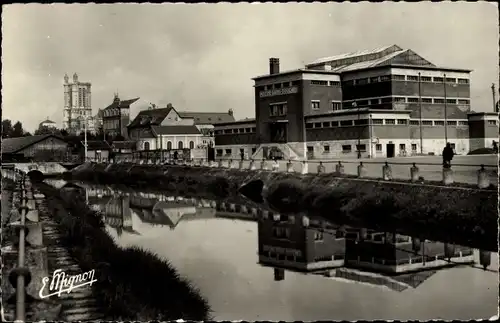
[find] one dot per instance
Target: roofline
(296, 71)
(358, 111)
(235, 122)
(35, 142)
(415, 67)
(311, 71)
(156, 134)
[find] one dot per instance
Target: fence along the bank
(414, 173)
(30, 255)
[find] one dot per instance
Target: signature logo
(63, 283)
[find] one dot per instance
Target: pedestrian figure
(448, 154)
(242, 155)
(176, 155)
(495, 147)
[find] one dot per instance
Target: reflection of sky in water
(220, 257)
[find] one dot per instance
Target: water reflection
(295, 267)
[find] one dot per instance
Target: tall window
(146, 145)
(169, 145)
(191, 144)
(278, 109)
(336, 105)
(180, 145)
(315, 105)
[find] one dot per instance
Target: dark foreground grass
(460, 214)
(133, 284)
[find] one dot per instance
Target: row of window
(283, 85)
(407, 78)
(180, 145)
(404, 122)
(362, 148)
(229, 152)
(374, 79)
(338, 105)
(235, 130)
(401, 99)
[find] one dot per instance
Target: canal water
(249, 268)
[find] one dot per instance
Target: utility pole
(355, 105)
(85, 137)
(420, 113)
(494, 98)
(445, 112)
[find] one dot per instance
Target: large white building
(77, 105)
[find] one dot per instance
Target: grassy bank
(133, 284)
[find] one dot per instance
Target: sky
(201, 57)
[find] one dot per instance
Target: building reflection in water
(300, 243)
(295, 242)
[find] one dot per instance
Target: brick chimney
(274, 65)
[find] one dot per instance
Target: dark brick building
(385, 102)
(116, 117)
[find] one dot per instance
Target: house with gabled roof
(31, 146)
(167, 128)
(116, 117)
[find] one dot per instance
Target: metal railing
(28, 253)
(19, 276)
(445, 175)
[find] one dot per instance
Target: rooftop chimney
(230, 112)
(274, 65)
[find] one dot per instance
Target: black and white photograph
(329, 161)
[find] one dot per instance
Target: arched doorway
(191, 145)
(169, 145)
(180, 145)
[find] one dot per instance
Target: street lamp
(445, 112)
(354, 105)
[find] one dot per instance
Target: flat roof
(313, 71)
(296, 71)
(243, 121)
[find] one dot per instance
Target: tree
(17, 129)
(6, 128)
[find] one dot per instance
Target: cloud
(202, 57)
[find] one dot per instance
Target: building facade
(77, 105)
(116, 117)
(167, 129)
(383, 103)
(40, 147)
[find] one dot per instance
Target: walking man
(448, 154)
